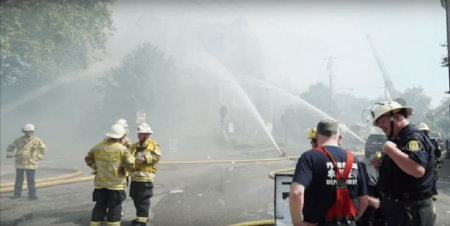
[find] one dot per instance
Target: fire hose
(73, 177)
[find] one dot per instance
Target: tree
(318, 94)
(344, 107)
(146, 80)
(54, 31)
(442, 119)
(417, 98)
(41, 38)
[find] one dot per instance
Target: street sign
(141, 117)
(230, 128)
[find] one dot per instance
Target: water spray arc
(92, 70)
(210, 63)
(304, 103)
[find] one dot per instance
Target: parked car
(440, 140)
(374, 143)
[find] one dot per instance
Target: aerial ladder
(387, 79)
(387, 82)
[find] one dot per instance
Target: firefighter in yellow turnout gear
(125, 140)
(110, 158)
(27, 150)
(147, 154)
(312, 134)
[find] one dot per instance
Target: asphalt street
(201, 194)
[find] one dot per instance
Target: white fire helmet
(386, 108)
(117, 131)
(423, 126)
(124, 123)
(144, 128)
(28, 128)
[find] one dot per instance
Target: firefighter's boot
(137, 223)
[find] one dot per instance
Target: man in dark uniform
(314, 187)
(437, 152)
(405, 168)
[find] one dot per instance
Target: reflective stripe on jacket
(28, 151)
(110, 159)
(146, 171)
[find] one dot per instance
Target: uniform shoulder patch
(413, 145)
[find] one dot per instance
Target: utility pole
(330, 67)
(446, 5)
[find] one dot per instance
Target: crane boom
(387, 80)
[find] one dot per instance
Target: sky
(297, 36)
(406, 36)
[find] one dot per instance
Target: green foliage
(318, 94)
(416, 98)
(43, 32)
(143, 81)
(41, 39)
(442, 117)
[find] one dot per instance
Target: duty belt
(407, 197)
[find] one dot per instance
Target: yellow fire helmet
(312, 133)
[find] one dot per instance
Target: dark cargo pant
(30, 181)
(407, 213)
(141, 192)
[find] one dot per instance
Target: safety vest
(343, 207)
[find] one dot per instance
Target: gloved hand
(122, 172)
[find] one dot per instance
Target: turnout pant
(107, 199)
(30, 181)
(141, 192)
(407, 213)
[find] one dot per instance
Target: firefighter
(127, 143)
(147, 154)
(312, 134)
(27, 150)
(371, 216)
(125, 140)
(405, 167)
(437, 151)
(110, 158)
(332, 179)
